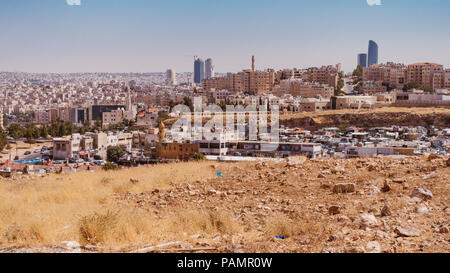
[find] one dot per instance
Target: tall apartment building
(171, 77)
(426, 75)
(447, 79)
(323, 75)
(299, 88)
(247, 81)
(390, 73)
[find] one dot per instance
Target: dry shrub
(114, 228)
(205, 221)
(22, 234)
(105, 181)
(122, 188)
(97, 228)
(282, 225)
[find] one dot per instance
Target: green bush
(114, 153)
(109, 166)
(198, 156)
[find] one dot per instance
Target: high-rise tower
(373, 53)
(209, 69)
(199, 70)
(362, 59)
(253, 63)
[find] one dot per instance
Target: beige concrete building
(101, 143)
(148, 118)
(324, 75)
(373, 88)
(299, 88)
(447, 79)
(247, 81)
(355, 102)
(426, 75)
(392, 74)
(312, 105)
(113, 117)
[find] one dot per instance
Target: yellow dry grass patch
(81, 206)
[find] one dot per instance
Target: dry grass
(282, 225)
(202, 222)
(81, 206)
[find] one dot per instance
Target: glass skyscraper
(199, 71)
(362, 59)
(373, 53)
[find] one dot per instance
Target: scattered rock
(407, 231)
(386, 187)
(344, 188)
(333, 210)
(368, 220)
(422, 209)
(386, 211)
(334, 237)
(355, 249)
(71, 244)
(447, 210)
(443, 230)
(399, 180)
(422, 193)
(373, 247)
(432, 157)
(134, 180)
(430, 176)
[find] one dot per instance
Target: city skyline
(150, 36)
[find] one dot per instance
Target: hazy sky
(153, 35)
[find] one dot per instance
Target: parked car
(79, 161)
(27, 153)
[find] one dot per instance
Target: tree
(114, 153)
(5, 120)
(358, 72)
(44, 131)
(3, 139)
(340, 84)
(198, 156)
(162, 116)
(188, 102)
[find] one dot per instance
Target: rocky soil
(358, 205)
(333, 206)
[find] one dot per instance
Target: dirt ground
(336, 206)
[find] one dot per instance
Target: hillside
(387, 116)
(370, 118)
(186, 207)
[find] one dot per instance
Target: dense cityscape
(80, 116)
(224, 127)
